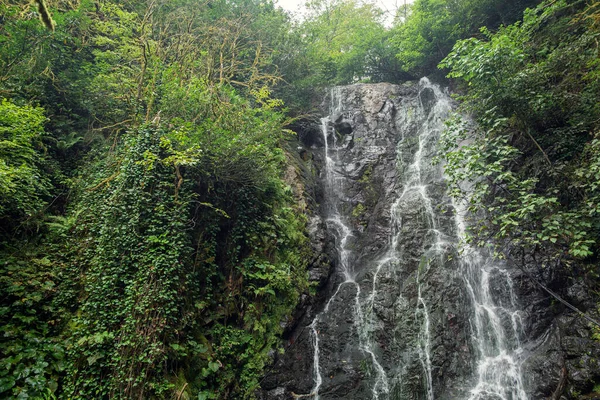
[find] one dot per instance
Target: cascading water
(497, 323)
(417, 177)
(335, 223)
(406, 317)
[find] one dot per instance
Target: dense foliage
(433, 26)
(23, 182)
(533, 158)
(346, 42)
(150, 247)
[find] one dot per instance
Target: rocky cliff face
(403, 310)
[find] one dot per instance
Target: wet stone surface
(402, 310)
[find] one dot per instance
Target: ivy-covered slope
(184, 277)
(160, 278)
(150, 246)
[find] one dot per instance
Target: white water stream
(497, 322)
(335, 223)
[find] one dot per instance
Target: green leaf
(6, 384)
(213, 366)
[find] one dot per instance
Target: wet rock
(310, 136)
(427, 98)
(395, 315)
(544, 366)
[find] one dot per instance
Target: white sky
(389, 6)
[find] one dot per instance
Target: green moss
(358, 211)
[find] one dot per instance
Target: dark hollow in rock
(343, 127)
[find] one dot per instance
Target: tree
(346, 41)
(433, 26)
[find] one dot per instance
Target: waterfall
(335, 222)
(411, 312)
(498, 343)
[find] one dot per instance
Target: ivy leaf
(6, 384)
(213, 366)
(93, 358)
